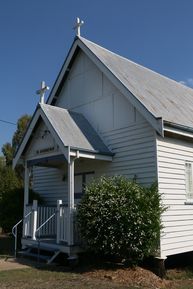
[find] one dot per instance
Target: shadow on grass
(86, 263)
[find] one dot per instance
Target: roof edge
(178, 126)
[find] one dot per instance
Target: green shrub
(119, 217)
(11, 207)
(8, 180)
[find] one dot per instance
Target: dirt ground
(137, 276)
(12, 264)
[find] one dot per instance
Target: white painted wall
(121, 127)
(51, 184)
(177, 236)
(135, 156)
(89, 92)
(135, 152)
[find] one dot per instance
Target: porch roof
(74, 130)
(71, 131)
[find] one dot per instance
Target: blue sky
(35, 37)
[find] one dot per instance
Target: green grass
(180, 274)
(62, 278)
(180, 278)
(44, 279)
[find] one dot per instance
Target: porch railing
(57, 227)
(43, 213)
(63, 224)
(27, 223)
(14, 231)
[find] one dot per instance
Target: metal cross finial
(42, 91)
(77, 26)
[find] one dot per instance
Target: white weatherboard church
(106, 115)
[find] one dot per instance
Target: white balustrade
(56, 227)
(63, 224)
(49, 229)
(27, 223)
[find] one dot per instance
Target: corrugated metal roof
(74, 130)
(161, 96)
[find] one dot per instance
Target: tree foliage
(11, 182)
(2, 161)
(119, 217)
(8, 180)
(11, 207)
(9, 149)
(22, 125)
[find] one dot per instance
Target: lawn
(54, 277)
(46, 279)
(92, 277)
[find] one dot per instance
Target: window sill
(188, 202)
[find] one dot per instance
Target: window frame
(188, 170)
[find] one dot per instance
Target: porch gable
(61, 132)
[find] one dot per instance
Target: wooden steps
(47, 255)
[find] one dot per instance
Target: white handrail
(14, 231)
(19, 223)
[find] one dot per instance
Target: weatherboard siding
(177, 235)
(134, 148)
(126, 133)
(49, 183)
(88, 91)
(135, 153)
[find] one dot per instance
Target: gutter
(178, 126)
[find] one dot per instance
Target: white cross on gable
(77, 26)
(42, 91)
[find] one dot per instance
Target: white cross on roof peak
(42, 91)
(77, 26)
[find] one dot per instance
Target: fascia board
(94, 156)
(178, 132)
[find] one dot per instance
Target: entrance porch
(57, 139)
(53, 227)
(49, 227)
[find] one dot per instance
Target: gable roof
(74, 130)
(69, 129)
(155, 96)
